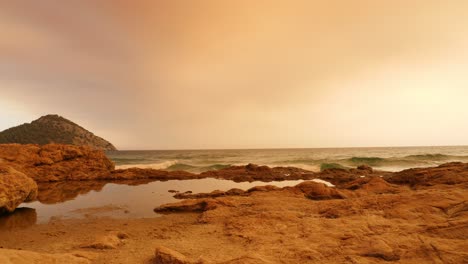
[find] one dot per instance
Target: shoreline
(413, 216)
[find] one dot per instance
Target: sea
(313, 159)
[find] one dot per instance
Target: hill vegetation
(53, 129)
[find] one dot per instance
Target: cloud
(172, 74)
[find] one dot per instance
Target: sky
(208, 74)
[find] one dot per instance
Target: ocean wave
(436, 157)
(216, 167)
(181, 167)
(371, 161)
(325, 166)
(157, 166)
(174, 165)
(197, 165)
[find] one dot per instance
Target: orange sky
(240, 74)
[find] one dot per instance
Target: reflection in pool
(20, 218)
(125, 199)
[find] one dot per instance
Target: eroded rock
(15, 188)
(54, 162)
(372, 184)
(319, 191)
(253, 172)
(164, 255)
(191, 205)
(449, 173)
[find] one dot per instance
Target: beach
(360, 215)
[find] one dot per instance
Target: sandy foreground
(377, 222)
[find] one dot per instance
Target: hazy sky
(179, 74)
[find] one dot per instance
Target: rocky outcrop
(138, 173)
(310, 189)
(11, 256)
(385, 223)
(200, 202)
(319, 191)
(55, 162)
(371, 185)
(449, 173)
(53, 129)
(252, 172)
(230, 192)
(342, 177)
(364, 220)
(15, 188)
(191, 205)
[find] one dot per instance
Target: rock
(15, 188)
(265, 188)
(341, 177)
(449, 173)
(139, 173)
(10, 256)
(366, 168)
(252, 172)
(192, 205)
(235, 191)
(189, 195)
(318, 191)
(109, 241)
(55, 162)
(213, 194)
(372, 184)
(164, 255)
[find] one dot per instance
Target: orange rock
(55, 162)
(252, 172)
(449, 173)
(191, 205)
(138, 173)
(319, 191)
(15, 188)
(371, 184)
(164, 255)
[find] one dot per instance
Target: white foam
(314, 168)
(329, 184)
(156, 166)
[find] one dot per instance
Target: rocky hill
(53, 129)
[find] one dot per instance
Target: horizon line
(290, 148)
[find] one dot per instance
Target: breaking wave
(157, 166)
(197, 163)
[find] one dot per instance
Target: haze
(240, 74)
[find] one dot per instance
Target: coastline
(413, 216)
